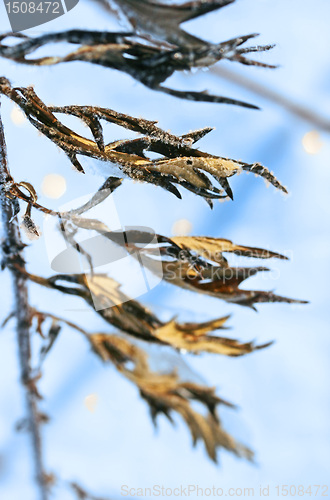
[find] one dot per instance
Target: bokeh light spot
(312, 142)
(53, 186)
(90, 402)
(17, 116)
(181, 227)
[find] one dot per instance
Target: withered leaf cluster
(181, 164)
(136, 320)
(151, 52)
(194, 263)
(200, 266)
(165, 392)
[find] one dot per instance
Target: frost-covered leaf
(208, 272)
(156, 49)
(213, 248)
(180, 164)
(134, 319)
(193, 337)
(165, 393)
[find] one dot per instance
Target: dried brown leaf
(193, 337)
(167, 394)
(151, 53)
(181, 164)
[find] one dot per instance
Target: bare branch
(12, 253)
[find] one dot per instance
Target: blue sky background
(282, 392)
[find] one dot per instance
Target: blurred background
(100, 433)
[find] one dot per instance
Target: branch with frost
(195, 263)
(12, 254)
(151, 53)
(181, 164)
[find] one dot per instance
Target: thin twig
(12, 252)
(263, 91)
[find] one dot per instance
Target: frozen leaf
(194, 337)
(31, 229)
(156, 49)
(166, 393)
(194, 269)
(213, 248)
(133, 318)
(180, 164)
